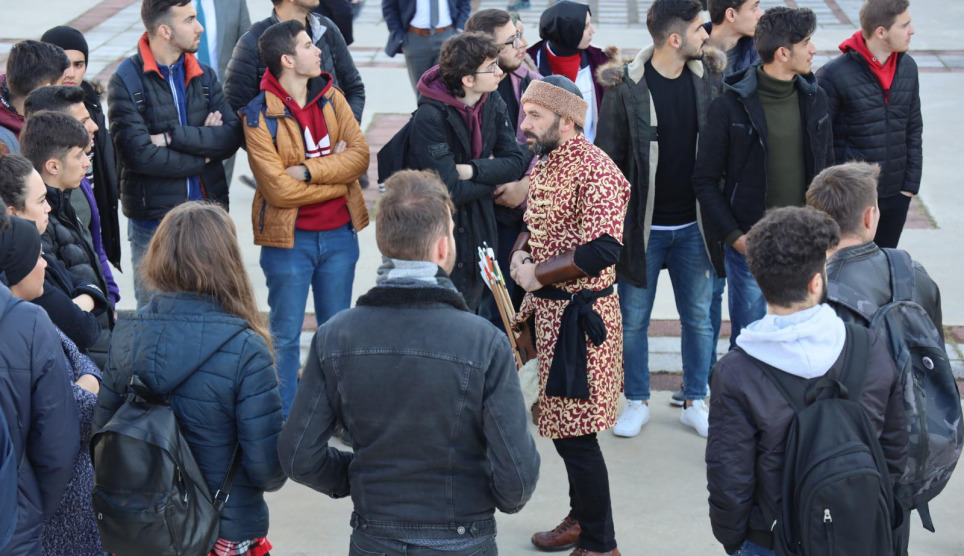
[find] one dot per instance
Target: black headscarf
(562, 25)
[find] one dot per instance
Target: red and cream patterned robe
(576, 195)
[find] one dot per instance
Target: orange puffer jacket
(278, 196)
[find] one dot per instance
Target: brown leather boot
(584, 552)
(563, 537)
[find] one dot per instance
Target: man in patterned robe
(564, 259)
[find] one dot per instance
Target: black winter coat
(224, 392)
(60, 288)
(749, 419)
(242, 81)
(868, 128)
(627, 133)
(153, 179)
(65, 240)
(733, 150)
(439, 140)
(37, 399)
(105, 176)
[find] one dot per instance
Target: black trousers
(893, 215)
(588, 491)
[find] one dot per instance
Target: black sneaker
(677, 399)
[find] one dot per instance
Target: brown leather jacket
(278, 196)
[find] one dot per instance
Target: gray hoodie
(805, 344)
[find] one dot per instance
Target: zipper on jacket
(828, 531)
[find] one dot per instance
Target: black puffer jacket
(38, 402)
(65, 240)
(60, 289)
(733, 150)
(224, 392)
(153, 179)
(242, 81)
(868, 128)
(749, 419)
(439, 140)
(105, 176)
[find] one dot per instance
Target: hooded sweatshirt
(805, 344)
(884, 72)
(431, 86)
(331, 214)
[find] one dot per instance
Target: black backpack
(149, 495)
(393, 156)
(836, 493)
(932, 402)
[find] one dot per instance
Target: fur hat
(559, 95)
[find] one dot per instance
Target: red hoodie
(329, 214)
(884, 72)
(9, 118)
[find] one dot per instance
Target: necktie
(203, 55)
(432, 15)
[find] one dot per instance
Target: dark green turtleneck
(786, 169)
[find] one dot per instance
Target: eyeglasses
(491, 68)
(514, 42)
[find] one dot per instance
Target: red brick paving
(98, 14)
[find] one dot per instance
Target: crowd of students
(711, 153)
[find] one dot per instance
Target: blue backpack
(9, 463)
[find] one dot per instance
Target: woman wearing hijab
(566, 31)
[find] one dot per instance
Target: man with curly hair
(800, 336)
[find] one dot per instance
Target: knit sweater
(786, 172)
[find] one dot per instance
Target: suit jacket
(232, 21)
(398, 15)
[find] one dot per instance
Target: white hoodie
(806, 343)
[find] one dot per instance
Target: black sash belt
(568, 373)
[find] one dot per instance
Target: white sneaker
(633, 417)
(697, 416)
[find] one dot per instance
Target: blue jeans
(716, 314)
(692, 275)
(139, 236)
(324, 261)
(750, 549)
(745, 299)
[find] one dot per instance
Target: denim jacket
(431, 398)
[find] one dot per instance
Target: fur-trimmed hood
(612, 74)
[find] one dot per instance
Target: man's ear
(52, 167)
(441, 250)
(815, 286)
(468, 81)
(868, 217)
(730, 15)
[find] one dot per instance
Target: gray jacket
(431, 397)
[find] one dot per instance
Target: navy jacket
(38, 402)
(224, 392)
(432, 400)
(398, 15)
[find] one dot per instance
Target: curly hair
(786, 248)
(462, 55)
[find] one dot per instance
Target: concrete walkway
(658, 478)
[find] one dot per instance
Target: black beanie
(67, 38)
(19, 249)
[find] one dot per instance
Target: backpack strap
(131, 78)
(856, 361)
(842, 294)
(257, 109)
(225, 489)
(901, 274)
(792, 393)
